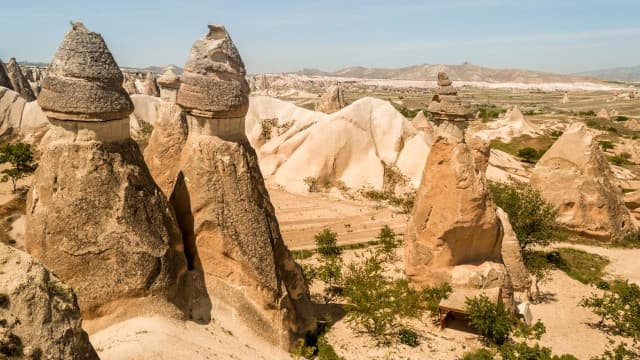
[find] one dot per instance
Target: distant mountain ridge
(631, 73)
(153, 68)
(464, 72)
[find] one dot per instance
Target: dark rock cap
(446, 105)
(19, 81)
(213, 82)
(4, 78)
(83, 81)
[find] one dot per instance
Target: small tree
(493, 321)
(327, 243)
(619, 306)
(389, 242)
(540, 269)
(21, 159)
(330, 268)
(312, 183)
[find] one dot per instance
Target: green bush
(389, 241)
(20, 157)
(532, 218)
(619, 307)
(621, 159)
(556, 133)
(619, 352)
(587, 113)
(539, 267)
(489, 112)
(523, 351)
(530, 154)
(326, 351)
(630, 240)
(408, 337)
(433, 295)
(327, 243)
(492, 321)
(621, 118)
(480, 354)
(606, 145)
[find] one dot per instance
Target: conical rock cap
(84, 82)
(213, 82)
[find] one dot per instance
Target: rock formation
(332, 100)
(221, 202)
(169, 83)
(150, 87)
(513, 124)
(40, 315)
(453, 234)
(95, 217)
(603, 114)
(512, 255)
(11, 109)
(565, 99)
(4, 77)
(575, 176)
(18, 81)
(422, 123)
(129, 84)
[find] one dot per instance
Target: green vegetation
(587, 113)
(327, 243)
(630, 241)
(389, 242)
(403, 202)
(20, 157)
(330, 268)
(621, 118)
(489, 112)
(406, 112)
(580, 265)
(556, 133)
(606, 145)
(620, 159)
(492, 321)
(326, 351)
(523, 351)
(618, 308)
(530, 155)
(524, 144)
(408, 337)
(480, 354)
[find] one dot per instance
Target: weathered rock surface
(332, 100)
(4, 77)
(11, 109)
(94, 215)
(228, 223)
(150, 86)
(512, 255)
(575, 176)
(603, 113)
(211, 87)
(445, 104)
(18, 81)
(454, 220)
(39, 312)
(74, 91)
(169, 84)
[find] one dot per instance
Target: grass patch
(540, 144)
(579, 265)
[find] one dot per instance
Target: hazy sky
(275, 36)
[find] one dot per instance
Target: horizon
(562, 36)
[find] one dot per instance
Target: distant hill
(155, 69)
(615, 74)
(464, 72)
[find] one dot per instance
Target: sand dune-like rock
(332, 100)
(350, 145)
(228, 223)
(575, 176)
(94, 215)
(512, 125)
(18, 82)
(11, 108)
(38, 312)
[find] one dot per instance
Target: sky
(562, 36)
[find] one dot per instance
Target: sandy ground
(303, 216)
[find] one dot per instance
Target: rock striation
(332, 100)
(40, 314)
(150, 86)
(18, 82)
(226, 217)
(169, 84)
(453, 234)
(575, 176)
(94, 215)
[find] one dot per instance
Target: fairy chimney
(150, 86)
(95, 217)
(228, 223)
(18, 81)
(169, 84)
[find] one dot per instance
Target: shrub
(620, 352)
(556, 133)
(480, 354)
(587, 113)
(533, 219)
(606, 145)
(408, 337)
(619, 306)
(267, 128)
(530, 154)
(4, 301)
(539, 267)
(327, 243)
(492, 321)
(388, 240)
(622, 159)
(523, 351)
(433, 295)
(489, 112)
(301, 350)
(621, 118)
(630, 240)
(312, 183)
(330, 271)
(326, 351)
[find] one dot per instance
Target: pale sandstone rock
(332, 100)
(4, 77)
(565, 99)
(603, 113)
(150, 87)
(129, 84)
(512, 255)
(445, 104)
(422, 123)
(18, 81)
(11, 109)
(94, 215)
(575, 176)
(227, 220)
(169, 84)
(39, 311)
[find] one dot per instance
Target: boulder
(575, 176)
(18, 81)
(95, 217)
(40, 314)
(332, 100)
(227, 220)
